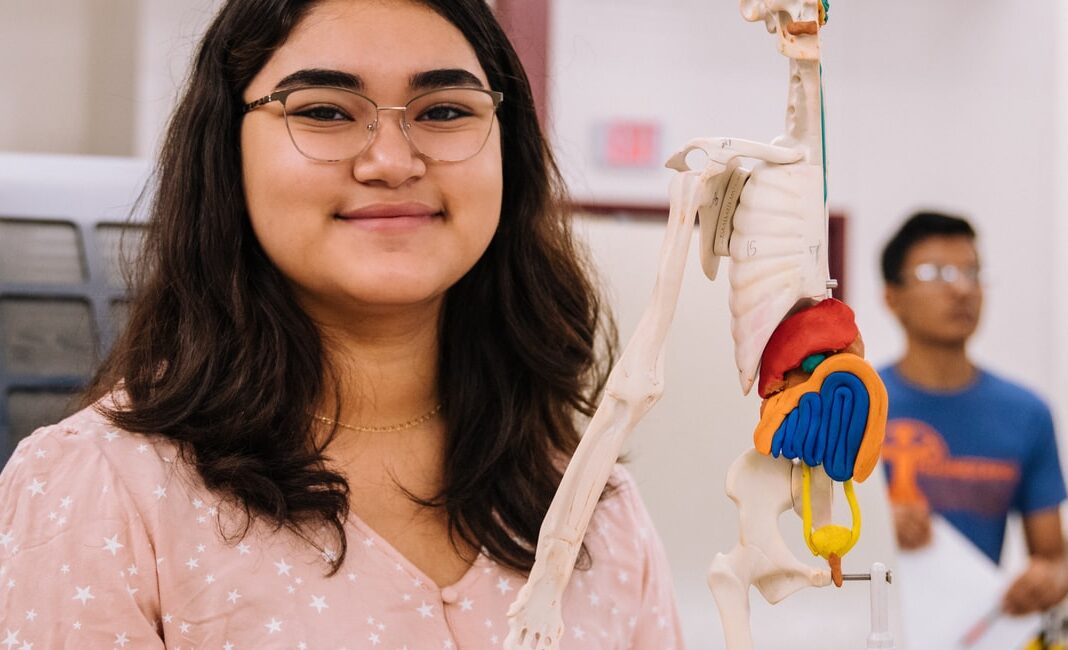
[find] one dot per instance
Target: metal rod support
(866, 576)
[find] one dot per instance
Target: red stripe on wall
(527, 25)
(837, 232)
(836, 253)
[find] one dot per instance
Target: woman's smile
(391, 217)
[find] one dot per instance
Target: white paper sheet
(947, 588)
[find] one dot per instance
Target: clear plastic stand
(880, 637)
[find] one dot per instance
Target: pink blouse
(107, 540)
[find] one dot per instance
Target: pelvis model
(824, 408)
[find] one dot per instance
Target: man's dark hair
(916, 228)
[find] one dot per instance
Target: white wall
(945, 104)
(95, 77)
(51, 87)
(929, 104)
(167, 34)
(1059, 238)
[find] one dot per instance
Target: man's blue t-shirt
(973, 454)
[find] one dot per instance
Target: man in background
(962, 442)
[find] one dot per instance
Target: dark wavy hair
(218, 356)
(918, 227)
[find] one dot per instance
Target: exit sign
(628, 144)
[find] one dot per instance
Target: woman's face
(388, 228)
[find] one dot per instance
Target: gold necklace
(414, 422)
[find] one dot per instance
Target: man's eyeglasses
(332, 124)
(930, 273)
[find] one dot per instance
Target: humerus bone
(634, 386)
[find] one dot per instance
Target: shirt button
(449, 595)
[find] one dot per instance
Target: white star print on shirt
(84, 594)
(128, 500)
(36, 488)
(112, 544)
(11, 638)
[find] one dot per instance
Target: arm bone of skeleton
(634, 386)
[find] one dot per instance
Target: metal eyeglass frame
(280, 96)
(948, 274)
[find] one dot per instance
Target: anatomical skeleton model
(824, 407)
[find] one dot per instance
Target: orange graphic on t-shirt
(915, 448)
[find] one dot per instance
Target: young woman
(351, 374)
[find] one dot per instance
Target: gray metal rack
(68, 224)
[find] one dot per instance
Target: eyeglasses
(929, 273)
(333, 124)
